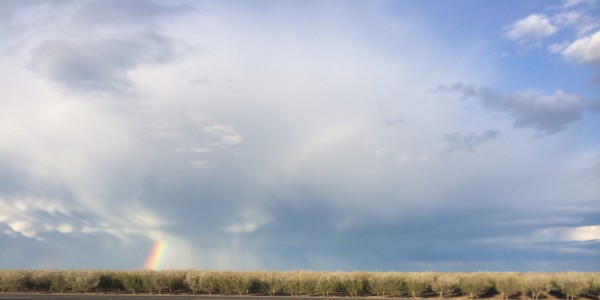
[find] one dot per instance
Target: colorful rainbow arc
(156, 256)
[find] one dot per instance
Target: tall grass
(567, 285)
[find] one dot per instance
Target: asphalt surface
(157, 297)
(132, 297)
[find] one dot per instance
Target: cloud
(573, 3)
(145, 12)
(225, 132)
(546, 113)
(32, 216)
(65, 228)
(568, 234)
(101, 65)
(579, 21)
(468, 142)
(584, 50)
(530, 31)
(568, 18)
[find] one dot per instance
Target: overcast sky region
(322, 135)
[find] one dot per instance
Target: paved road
(135, 297)
(158, 297)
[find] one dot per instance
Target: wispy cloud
(573, 3)
(468, 142)
(225, 132)
(530, 31)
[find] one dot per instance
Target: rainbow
(156, 255)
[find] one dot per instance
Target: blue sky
(323, 135)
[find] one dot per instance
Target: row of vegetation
(569, 285)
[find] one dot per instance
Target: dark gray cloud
(546, 113)
(468, 142)
(111, 12)
(101, 66)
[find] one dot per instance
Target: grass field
(567, 285)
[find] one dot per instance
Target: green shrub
(132, 281)
(377, 283)
(81, 281)
(508, 284)
(571, 284)
(202, 281)
(110, 281)
(38, 280)
(419, 283)
(354, 283)
(59, 282)
(273, 282)
(536, 284)
(594, 285)
(476, 284)
(10, 281)
(291, 283)
(327, 283)
(445, 284)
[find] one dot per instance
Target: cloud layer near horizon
(318, 136)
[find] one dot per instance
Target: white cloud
(568, 18)
(531, 30)
(226, 132)
(585, 49)
(573, 3)
(65, 228)
(569, 234)
(31, 217)
(24, 227)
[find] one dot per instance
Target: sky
(313, 135)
